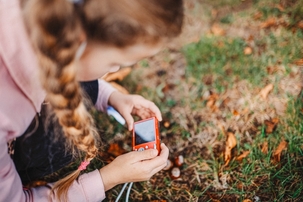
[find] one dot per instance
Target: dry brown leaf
(217, 30)
(245, 110)
(299, 62)
(115, 150)
(271, 125)
(270, 22)
(231, 142)
(277, 153)
(242, 156)
(240, 185)
(265, 91)
(119, 87)
(250, 38)
(257, 15)
(210, 103)
(247, 50)
(194, 39)
(139, 87)
(214, 13)
(300, 24)
(264, 148)
(226, 101)
(212, 100)
(236, 113)
(280, 7)
(272, 69)
(119, 75)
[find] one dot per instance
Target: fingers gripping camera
(146, 135)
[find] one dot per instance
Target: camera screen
(144, 132)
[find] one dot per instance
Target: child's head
(125, 31)
(126, 22)
(117, 32)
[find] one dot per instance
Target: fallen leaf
(247, 50)
(214, 13)
(271, 125)
(236, 113)
(139, 87)
(265, 91)
(240, 185)
(280, 7)
(299, 62)
(115, 150)
(300, 24)
(119, 75)
(272, 69)
(250, 38)
(194, 39)
(231, 142)
(217, 30)
(226, 101)
(210, 103)
(270, 22)
(212, 100)
(245, 110)
(264, 148)
(119, 87)
(257, 15)
(277, 153)
(242, 156)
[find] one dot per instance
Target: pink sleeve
(89, 187)
(105, 90)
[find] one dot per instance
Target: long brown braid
(60, 30)
(55, 28)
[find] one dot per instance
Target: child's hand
(128, 105)
(134, 167)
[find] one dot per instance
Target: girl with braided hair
(62, 42)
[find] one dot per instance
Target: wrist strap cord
(127, 193)
(112, 112)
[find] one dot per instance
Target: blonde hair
(55, 28)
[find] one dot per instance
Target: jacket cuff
(105, 90)
(93, 186)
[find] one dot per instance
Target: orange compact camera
(146, 135)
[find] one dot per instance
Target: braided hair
(56, 28)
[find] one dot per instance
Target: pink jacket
(20, 98)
